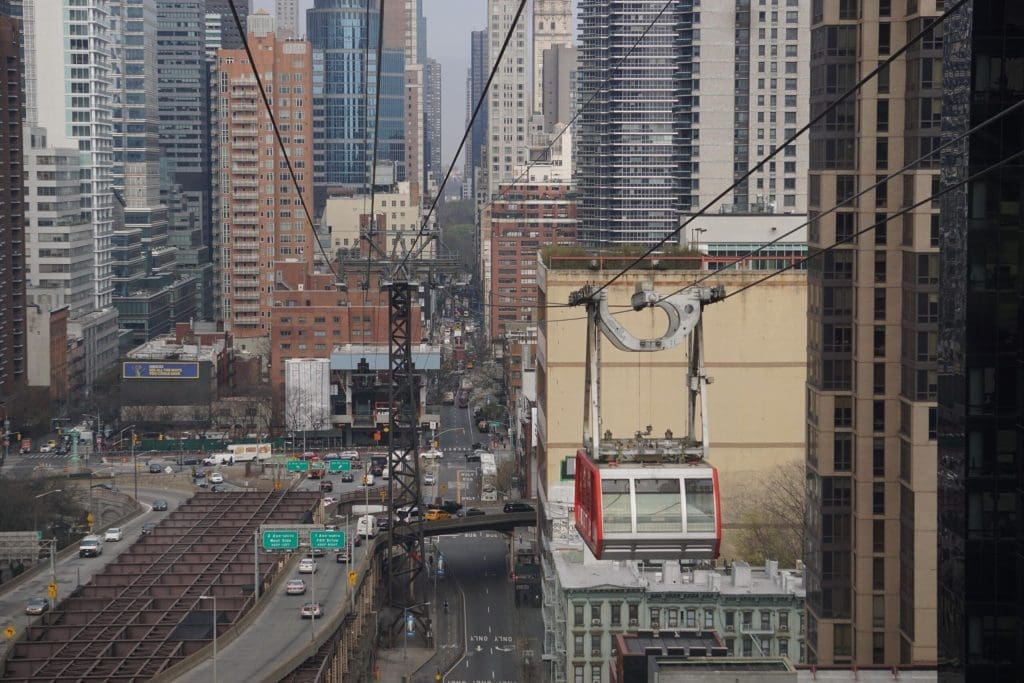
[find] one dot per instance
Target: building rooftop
(166, 348)
(348, 356)
(741, 579)
(667, 642)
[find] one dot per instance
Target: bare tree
(772, 518)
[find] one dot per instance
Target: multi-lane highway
(72, 570)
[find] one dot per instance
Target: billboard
(162, 370)
(587, 505)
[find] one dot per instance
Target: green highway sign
(339, 466)
(280, 540)
(298, 466)
(328, 540)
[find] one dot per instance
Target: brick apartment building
(527, 217)
(312, 315)
(259, 217)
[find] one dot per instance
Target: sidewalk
(397, 664)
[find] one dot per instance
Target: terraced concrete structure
(143, 613)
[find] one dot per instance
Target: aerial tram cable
(465, 135)
(277, 136)
(753, 169)
(851, 199)
(372, 176)
(927, 200)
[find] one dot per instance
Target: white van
(366, 526)
(219, 459)
(368, 480)
(90, 546)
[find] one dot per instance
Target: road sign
(298, 465)
(280, 540)
(51, 590)
(328, 540)
(352, 578)
(339, 466)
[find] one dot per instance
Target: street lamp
(35, 508)
(214, 598)
(135, 467)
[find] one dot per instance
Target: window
(595, 612)
(878, 536)
(878, 411)
(709, 619)
(577, 614)
(730, 620)
(841, 641)
(880, 303)
(673, 618)
(616, 608)
(884, 38)
(578, 672)
(878, 573)
(655, 616)
(843, 411)
(881, 229)
(882, 153)
(766, 620)
(691, 618)
(842, 453)
(577, 645)
(878, 457)
(595, 643)
(595, 673)
(878, 498)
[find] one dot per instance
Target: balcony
(246, 308)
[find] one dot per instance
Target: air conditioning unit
(595, 653)
(784, 628)
(595, 622)
(655, 625)
(633, 622)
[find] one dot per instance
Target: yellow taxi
(436, 515)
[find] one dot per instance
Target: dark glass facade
(344, 34)
(981, 320)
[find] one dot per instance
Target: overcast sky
(449, 23)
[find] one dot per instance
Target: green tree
(457, 220)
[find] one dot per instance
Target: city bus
(488, 478)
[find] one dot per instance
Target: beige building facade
(872, 339)
(342, 218)
(755, 351)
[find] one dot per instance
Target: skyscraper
(710, 90)
(12, 215)
(508, 111)
(552, 25)
(432, 116)
(478, 69)
(230, 37)
(625, 135)
(871, 363)
(184, 107)
(67, 62)
(980, 404)
(344, 34)
(249, 238)
(286, 13)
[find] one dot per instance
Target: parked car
(436, 515)
(36, 606)
(155, 468)
(160, 505)
(347, 477)
(114, 533)
(307, 566)
(295, 587)
(216, 478)
(311, 610)
(518, 506)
